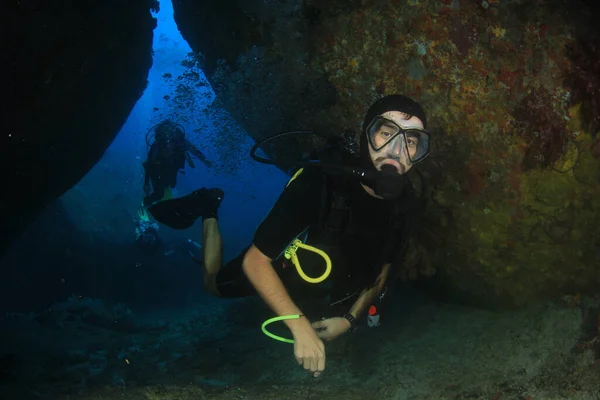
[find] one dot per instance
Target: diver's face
(396, 152)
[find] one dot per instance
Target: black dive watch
(352, 320)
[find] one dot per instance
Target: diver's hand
(147, 190)
(308, 348)
(331, 328)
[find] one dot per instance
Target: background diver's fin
(182, 213)
(176, 213)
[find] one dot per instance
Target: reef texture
(512, 89)
(73, 72)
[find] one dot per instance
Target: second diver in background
(166, 158)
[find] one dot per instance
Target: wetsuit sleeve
(297, 208)
(189, 147)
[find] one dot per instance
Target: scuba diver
(335, 236)
(166, 157)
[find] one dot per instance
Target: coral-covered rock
(512, 190)
(584, 79)
(543, 129)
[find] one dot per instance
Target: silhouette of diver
(166, 157)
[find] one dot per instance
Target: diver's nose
(398, 145)
(400, 150)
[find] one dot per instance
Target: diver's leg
(158, 190)
(152, 198)
(213, 251)
(171, 177)
(230, 281)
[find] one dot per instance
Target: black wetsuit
(358, 250)
(164, 162)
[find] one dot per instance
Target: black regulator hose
(354, 171)
(278, 136)
(386, 183)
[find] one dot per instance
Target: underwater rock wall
(73, 72)
(513, 93)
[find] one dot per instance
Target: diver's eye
(386, 132)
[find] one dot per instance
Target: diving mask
(383, 132)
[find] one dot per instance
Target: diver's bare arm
(257, 267)
(368, 295)
(212, 245)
